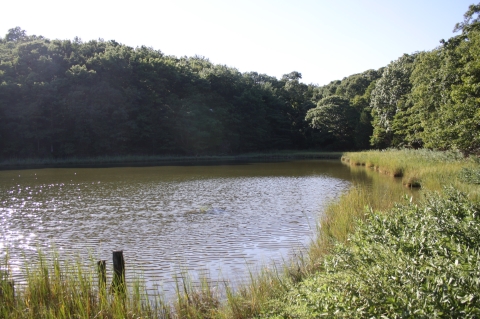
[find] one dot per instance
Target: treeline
(432, 99)
(422, 100)
(63, 98)
(73, 98)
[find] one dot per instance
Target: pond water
(222, 219)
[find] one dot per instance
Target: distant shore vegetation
(154, 160)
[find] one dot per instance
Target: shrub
(418, 261)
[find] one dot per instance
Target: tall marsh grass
(417, 168)
(55, 289)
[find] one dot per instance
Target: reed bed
(417, 168)
(55, 289)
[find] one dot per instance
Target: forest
(69, 98)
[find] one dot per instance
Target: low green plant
(419, 261)
(470, 175)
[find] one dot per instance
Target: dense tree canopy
(74, 98)
(63, 98)
(335, 118)
(389, 98)
(439, 105)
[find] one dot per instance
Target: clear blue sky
(325, 40)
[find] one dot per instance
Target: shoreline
(164, 160)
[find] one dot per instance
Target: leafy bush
(419, 261)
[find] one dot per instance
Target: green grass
(55, 289)
(417, 168)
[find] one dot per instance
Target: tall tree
(335, 118)
(16, 34)
(389, 97)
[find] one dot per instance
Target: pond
(225, 220)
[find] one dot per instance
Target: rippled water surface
(223, 219)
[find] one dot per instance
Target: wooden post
(102, 275)
(118, 283)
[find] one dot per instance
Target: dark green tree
(389, 97)
(336, 118)
(470, 23)
(16, 34)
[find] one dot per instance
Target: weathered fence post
(118, 283)
(102, 275)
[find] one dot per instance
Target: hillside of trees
(64, 98)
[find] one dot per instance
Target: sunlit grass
(417, 168)
(55, 289)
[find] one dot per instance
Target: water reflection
(218, 218)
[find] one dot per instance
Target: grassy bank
(55, 289)
(380, 251)
(151, 160)
(414, 261)
(417, 168)
(378, 255)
